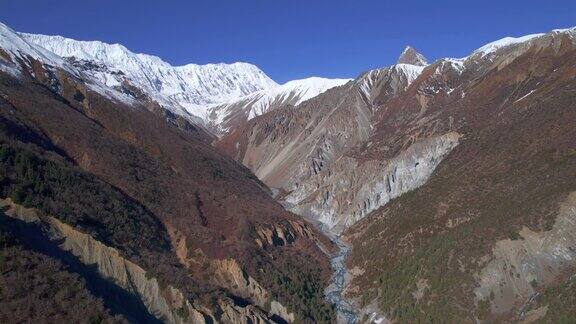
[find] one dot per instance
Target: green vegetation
(561, 302)
(183, 312)
(79, 199)
(301, 291)
(36, 288)
(397, 284)
(483, 309)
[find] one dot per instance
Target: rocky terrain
(419, 192)
(301, 150)
(447, 179)
(511, 104)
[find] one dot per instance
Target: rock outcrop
(349, 190)
(411, 56)
(166, 303)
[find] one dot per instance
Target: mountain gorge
(419, 192)
(153, 206)
(442, 177)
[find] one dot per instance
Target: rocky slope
(148, 201)
(455, 248)
(292, 148)
(428, 169)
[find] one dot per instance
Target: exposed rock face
(242, 315)
(284, 234)
(512, 103)
(411, 56)
(228, 273)
(536, 259)
(280, 310)
(292, 149)
(348, 190)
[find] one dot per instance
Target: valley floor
(334, 292)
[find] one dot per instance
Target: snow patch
(504, 42)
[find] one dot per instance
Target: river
(346, 312)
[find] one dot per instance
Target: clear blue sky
(290, 39)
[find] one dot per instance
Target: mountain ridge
(191, 87)
(191, 90)
(231, 114)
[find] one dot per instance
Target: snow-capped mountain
(17, 54)
(409, 66)
(15, 46)
(211, 94)
(291, 93)
(187, 89)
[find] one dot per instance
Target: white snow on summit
(17, 47)
(257, 103)
(183, 89)
(297, 90)
(504, 42)
(20, 50)
(508, 41)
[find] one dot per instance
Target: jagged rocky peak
(411, 56)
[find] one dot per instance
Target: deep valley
(135, 191)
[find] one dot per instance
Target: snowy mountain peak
(307, 88)
(17, 53)
(504, 42)
(411, 56)
(509, 41)
(186, 90)
(18, 47)
(290, 93)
